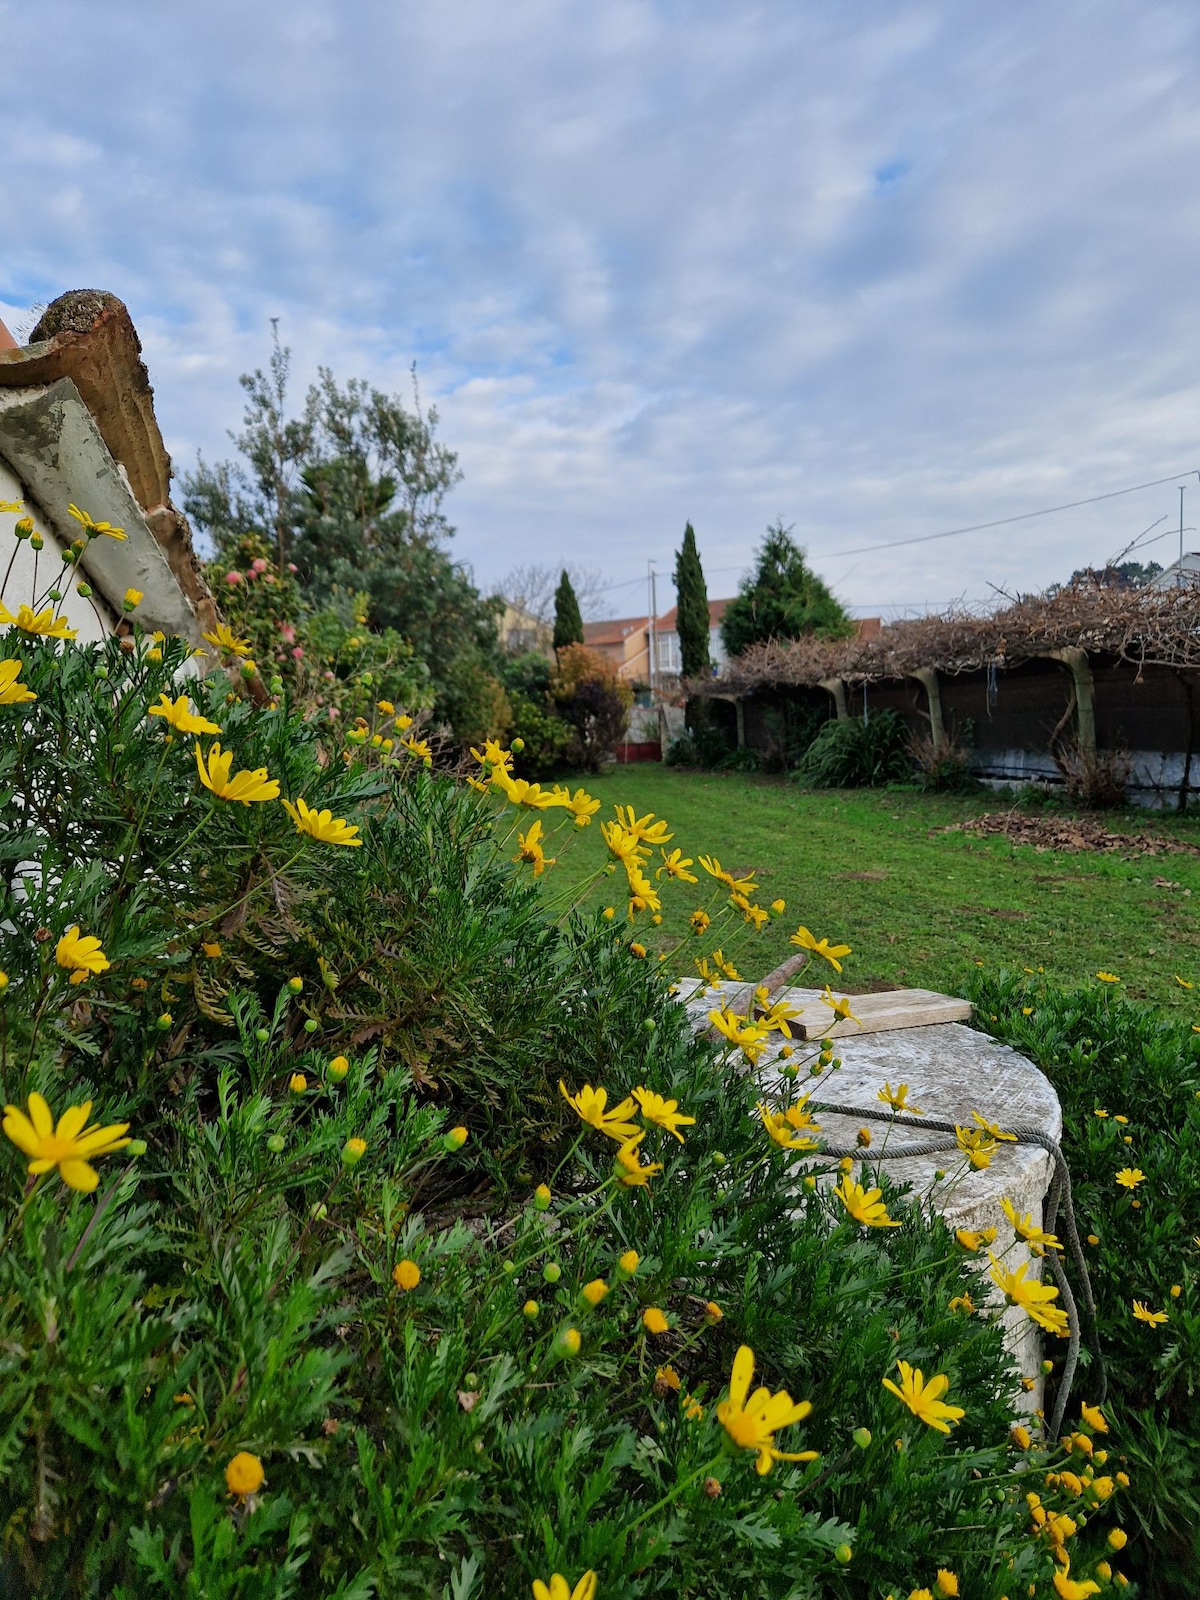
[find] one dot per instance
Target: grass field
(920, 906)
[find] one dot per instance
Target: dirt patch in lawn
(1069, 834)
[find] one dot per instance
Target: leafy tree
(568, 623)
(353, 492)
(781, 599)
(691, 614)
(1124, 575)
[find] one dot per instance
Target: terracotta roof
(716, 610)
(614, 632)
(869, 627)
(88, 337)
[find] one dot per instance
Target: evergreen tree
(568, 623)
(691, 614)
(781, 599)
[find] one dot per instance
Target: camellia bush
(373, 1223)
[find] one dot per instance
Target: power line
(949, 533)
(1004, 522)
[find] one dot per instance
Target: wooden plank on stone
(876, 1013)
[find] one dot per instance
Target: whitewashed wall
(93, 618)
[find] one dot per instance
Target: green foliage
(232, 1286)
(568, 623)
(691, 613)
(332, 665)
(850, 753)
(1109, 1059)
(351, 495)
(781, 599)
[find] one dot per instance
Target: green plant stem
(673, 1494)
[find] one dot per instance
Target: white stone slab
(951, 1071)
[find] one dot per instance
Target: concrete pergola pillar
(836, 688)
(928, 679)
(1076, 662)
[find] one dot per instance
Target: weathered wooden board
(876, 1013)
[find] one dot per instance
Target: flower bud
(262, 1035)
(517, 746)
(567, 1342)
(508, 1268)
(319, 1211)
(249, 669)
(137, 1147)
(842, 1555)
(54, 594)
(628, 1264)
(338, 1067)
(69, 557)
(133, 599)
(552, 1272)
(456, 1138)
(297, 1083)
(165, 1022)
(1117, 1538)
(24, 528)
(84, 591)
(719, 1158)
(36, 542)
(295, 984)
(541, 1197)
(862, 1438)
(530, 1309)
(353, 1151)
(275, 1143)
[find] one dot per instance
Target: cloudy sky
(882, 269)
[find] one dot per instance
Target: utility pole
(652, 623)
(652, 642)
(1179, 577)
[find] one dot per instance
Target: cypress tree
(568, 623)
(691, 615)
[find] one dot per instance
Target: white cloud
(879, 269)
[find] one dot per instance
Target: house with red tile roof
(624, 642)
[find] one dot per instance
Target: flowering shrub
(333, 665)
(374, 1224)
(1129, 1082)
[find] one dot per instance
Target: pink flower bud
(233, 578)
(292, 567)
(288, 632)
(268, 577)
(298, 652)
(258, 564)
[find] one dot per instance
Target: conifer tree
(568, 623)
(691, 614)
(781, 599)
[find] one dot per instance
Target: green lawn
(876, 870)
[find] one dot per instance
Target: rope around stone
(1058, 1195)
